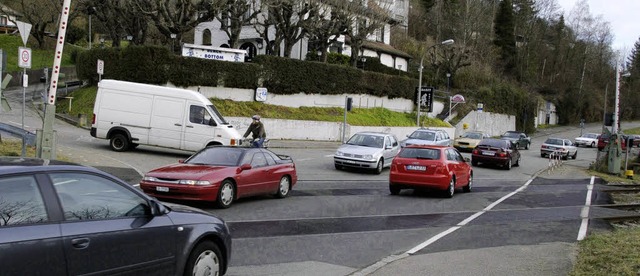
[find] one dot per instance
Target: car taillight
(544, 146)
(93, 119)
(475, 151)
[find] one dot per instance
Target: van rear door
(167, 122)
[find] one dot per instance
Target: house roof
(381, 47)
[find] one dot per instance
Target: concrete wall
(317, 131)
(492, 123)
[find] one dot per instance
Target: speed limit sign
(24, 57)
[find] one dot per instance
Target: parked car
(222, 174)
(587, 140)
(59, 218)
(635, 140)
(428, 166)
(367, 150)
(564, 147)
(603, 140)
(499, 152)
(469, 140)
(520, 139)
(426, 136)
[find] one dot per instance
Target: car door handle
(176, 124)
(190, 126)
(80, 243)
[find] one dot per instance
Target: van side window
(199, 115)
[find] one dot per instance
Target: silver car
(559, 147)
(587, 140)
(367, 150)
(425, 136)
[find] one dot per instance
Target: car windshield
(366, 140)
(472, 135)
(217, 156)
(423, 135)
(554, 141)
(511, 134)
(420, 153)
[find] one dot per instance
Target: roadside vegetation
(40, 58)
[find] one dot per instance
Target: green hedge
(157, 65)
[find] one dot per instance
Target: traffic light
(349, 103)
(608, 119)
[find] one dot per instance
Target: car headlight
(194, 182)
(339, 153)
(368, 156)
(149, 178)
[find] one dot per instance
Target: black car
(59, 218)
(499, 152)
(520, 139)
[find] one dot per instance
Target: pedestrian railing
(555, 160)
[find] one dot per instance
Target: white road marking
(584, 214)
(372, 268)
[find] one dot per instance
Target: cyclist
(257, 130)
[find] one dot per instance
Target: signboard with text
(426, 98)
(214, 53)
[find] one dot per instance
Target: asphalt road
(524, 221)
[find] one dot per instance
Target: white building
(7, 19)
(378, 44)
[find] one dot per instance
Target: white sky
(622, 15)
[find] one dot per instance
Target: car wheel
(593, 144)
(508, 165)
(226, 194)
(474, 163)
(469, 185)
(448, 193)
(119, 142)
(543, 155)
(517, 145)
(205, 259)
(527, 146)
(284, 188)
(517, 164)
(394, 189)
(379, 166)
(565, 157)
(575, 155)
(338, 167)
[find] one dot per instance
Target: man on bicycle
(257, 130)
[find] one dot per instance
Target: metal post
(344, 122)
(89, 31)
(419, 91)
(24, 105)
(616, 108)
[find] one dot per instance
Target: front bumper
(355, 163)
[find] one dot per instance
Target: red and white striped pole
(46, 144)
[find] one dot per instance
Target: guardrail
(29, 137)
(555, 160)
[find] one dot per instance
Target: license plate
(416, 168)
(350, 161)
(490, 153)
(162, 189)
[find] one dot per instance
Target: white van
(131, 114)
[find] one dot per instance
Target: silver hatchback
(367, 150)
(425, 136)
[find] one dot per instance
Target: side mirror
(181, 161)
(245, 167)
(211, 122)
(467, 159)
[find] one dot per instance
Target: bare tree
(282, 23)
(176, 17)
(367, 19)
(325, 27)
(43, 15)
(234, 15)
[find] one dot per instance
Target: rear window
(419, 153)
(494, 143)
(553, 141)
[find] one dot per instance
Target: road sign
(100, 66)
(261, 94)
(480, 107)
(24, 57)
(24, 29)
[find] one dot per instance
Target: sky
(622, 15)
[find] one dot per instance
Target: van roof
(145, 88)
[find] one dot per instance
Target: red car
(223, 174)
(603, 140)
(432, 167)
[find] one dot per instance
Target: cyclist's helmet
(256, 117)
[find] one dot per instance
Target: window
(90, 197)
(199, 115)
(258, 160)
(21, 201)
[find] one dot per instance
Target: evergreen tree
(504, 35)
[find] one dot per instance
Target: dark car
(520, 139)
(59, 218)
(223, 174)
(603, 140)
(499, 152)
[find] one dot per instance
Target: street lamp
(446, 42)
